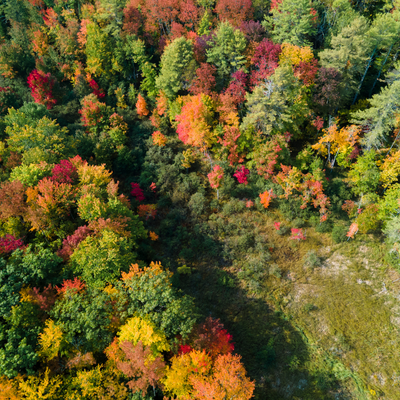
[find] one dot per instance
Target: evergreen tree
(174, 64)
(293, 21)
(348, 55)
(382, 117)
(227, 52)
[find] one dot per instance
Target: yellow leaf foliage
(293, 55)
(89, 381)
(9, 389)
(94, 175)
(183, 369)
(41, 387)
(50, 340)
(335, 140)
(137, 329)
(390, 169)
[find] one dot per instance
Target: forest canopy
(130, 131)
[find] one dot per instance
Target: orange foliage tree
(141, 106)
(228, 381)
(195, 120)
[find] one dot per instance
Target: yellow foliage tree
(390, 169)
(97, 384)
(338, 142)
(50, 341)
(293, 55)
(137, 329)
(40, 387)
(184, 369)
(9, 389)
(93, 175)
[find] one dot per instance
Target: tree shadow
(273, 351)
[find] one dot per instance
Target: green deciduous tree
(364, 174)
(100, 259)
(149, 293)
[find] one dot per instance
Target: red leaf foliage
(265, 61)
(96, 90)
(64, 172)
(9, 243)
(241, 174)
(234, 11)
(44, 298)
(70, 285)
(213, 338)
(72, 242)
(204, 82)
(41, 86)
(137, 192)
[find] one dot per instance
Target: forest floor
(322, 326)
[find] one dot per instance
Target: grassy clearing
(312, 319)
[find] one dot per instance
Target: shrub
(312, 260)
(339, 233)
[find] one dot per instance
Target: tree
(364, 174)
(227, 51)
(380, 119)
(341, 143)
(266, 197)
(100, 260)
(148, 293)
(216, 177)
(264, 61)
(137, 362)
(293, 22)
(38, 140)
(277, 106)
(228, 381)
(175, 61)
(194, 122)
(12, 200)
(326, 90)
(40, 388)
(137, 330)
(141, 106)
(41, 85)
(211, 337)
(204, 81)
(51, 341)
(184, 369)
(84, 314)
(30, 175)
(235, 12)
(348, 55)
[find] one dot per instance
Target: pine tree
(227, 53)
(293, 22)
(174, 63)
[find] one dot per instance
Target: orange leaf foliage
(228, 381)
(153, 236)
(194, 122)
(141, 106)
(159, 139)
(266, 197)
(353, 230)
(8, 389)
